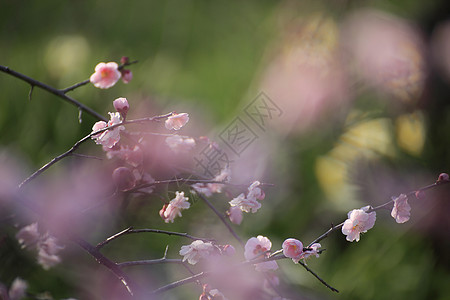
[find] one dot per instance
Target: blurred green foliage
(209, 55)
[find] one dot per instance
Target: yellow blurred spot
(365, 140)
(410, 130)
(65, 54)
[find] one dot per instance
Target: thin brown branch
(318, 277)
(60, 93)
(130, 230)
(221, 217)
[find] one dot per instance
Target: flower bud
(443, 177)
(126, 75)
(124, 60)
(121, 105)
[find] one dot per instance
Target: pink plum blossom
(106, 75)
(176, 205)
(235, 215)
(121, 106)
(18, 289)
(176, 121)
(255, 192)
(180, 144)
(196, 251)
(246, 204)
(358, 222)
(108, 138)
(401, 210)
(28, 235)
(293, 248)
(48, 249)
(259, 247)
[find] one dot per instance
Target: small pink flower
(28, 236)
(358, 222)
(246, 204)
(126, 75)
(176, 121)
(196, 251)
(108, 138)
(121, 105)
(293, 248)
(235, 215)
(18, 289)
(175, 207)
(443, 177)
(48, 252)
(106, 75)
(259, 247)
(255, 192)
(401, 210)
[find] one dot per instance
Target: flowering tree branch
(130, 230)
(60, 93)
(417, 193)
(84, 139)
(221, 217)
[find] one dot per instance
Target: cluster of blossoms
(293, 248)
(246, 203)
(47, 245)
(199, 249)
(170, 211)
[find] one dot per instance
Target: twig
(130, 230)
(318, 277)
(60, 93)
(191, 181)
(149, 262)
(77, 85)
(221, 218)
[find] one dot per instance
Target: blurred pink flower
(121, 105)
(358, 222)
(48, 250)
(246, 204)
(180, 144)
(176, 121)
(134, 156)
(293, 248)
(235, 215)
(127, 75)
(401, 210)
(259, 247)
(28, 235)
(106, 75)
(108, 138)
(18, 289)
(210, 188)
(196, 251)
(175, 207)
(228, 250)
(255, 192)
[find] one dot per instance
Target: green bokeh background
(208, 55)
